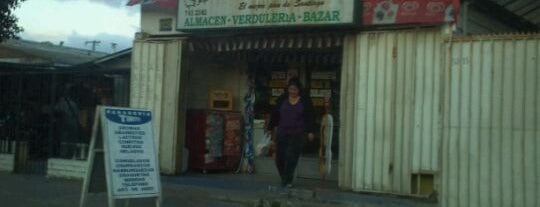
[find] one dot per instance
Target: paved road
(192, 191)
(38, 191)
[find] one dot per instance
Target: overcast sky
(78, 21)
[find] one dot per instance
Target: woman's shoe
(283, 184)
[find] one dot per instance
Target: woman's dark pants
(289, 148)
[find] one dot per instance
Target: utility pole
(113, 46)
(94, 43)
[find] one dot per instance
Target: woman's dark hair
(295, 82)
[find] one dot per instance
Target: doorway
(261, 72)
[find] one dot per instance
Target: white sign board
(215, 14)
(122, 157)
(131, 159)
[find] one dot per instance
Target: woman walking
(291, 120)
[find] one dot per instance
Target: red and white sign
(381, 12)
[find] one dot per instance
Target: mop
(325, 149)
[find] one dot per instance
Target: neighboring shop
(103, 81)
(47, 111)
(34, 79)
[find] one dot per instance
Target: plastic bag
(263, 146)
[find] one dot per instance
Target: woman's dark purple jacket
(309, 113)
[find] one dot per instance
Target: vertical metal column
(18, 120)
(52, 121)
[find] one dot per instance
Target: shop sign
(320, 93)
(132, 157)
(384, 12)
(323, 75)
(122, 160)
(219, 14)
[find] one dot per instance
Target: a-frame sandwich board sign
(122, 158)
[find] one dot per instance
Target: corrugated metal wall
(391, 90)
(491, 148)
(155, 85)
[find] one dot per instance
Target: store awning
(162, 3)
(529, 10)
(523, 15)
(266, 42)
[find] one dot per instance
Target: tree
(8, 21)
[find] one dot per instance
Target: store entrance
(249, 81)
(318, 72)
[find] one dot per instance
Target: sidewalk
(244, 187)
(193, 190)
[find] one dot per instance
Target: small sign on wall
(278, 83)
(166, 25)
(323, 75)
(321, 93)
(221, 100)
(279, 75)
(277, 91)
(384, 12)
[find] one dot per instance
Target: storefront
(261, 74)
(252, 66)
(382, 94)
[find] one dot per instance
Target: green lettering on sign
(263, 19)
(322, 16)
(205, 21)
